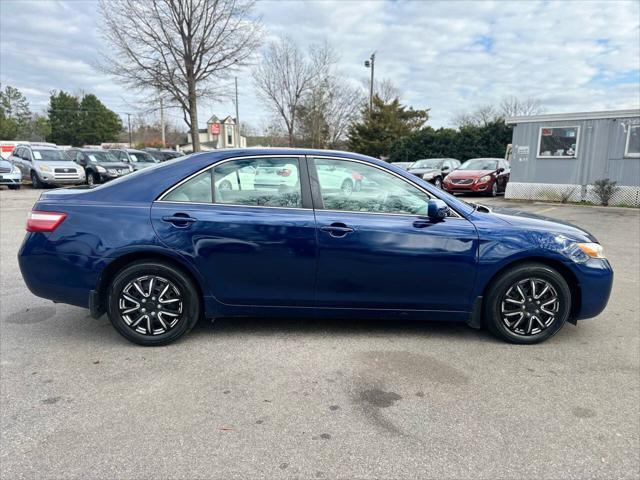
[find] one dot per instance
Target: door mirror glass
(445, 168)
(437, 209)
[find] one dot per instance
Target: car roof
(485, 158)
(42, 147)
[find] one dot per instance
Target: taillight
(285, 172)
(44, 221)
(356, 176)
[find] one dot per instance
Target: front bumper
(10, 178)
(467, 188)
(57, 179)
(106, 176)
(595, 279)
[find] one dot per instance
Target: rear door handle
(337, 229)
(179, 220)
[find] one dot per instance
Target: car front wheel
(35, 180)
(93, 179)
(152, 303)
(527, 304)
(347, 187)
(438, 182)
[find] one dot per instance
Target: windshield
(142, 157)
(429, 163)
(96, 156)
(50, 155)
(480, 164)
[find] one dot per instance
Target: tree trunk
(193, 115)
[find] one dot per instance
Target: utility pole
(129, 123)
(238, 138)
(162, 122)
(371, 64)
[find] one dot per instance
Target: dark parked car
(160, 248)
(136, 158)
(434, 170)
(488, 176)
(162, 155)
(403, 165)
(99, 165)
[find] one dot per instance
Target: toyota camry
(160, 248)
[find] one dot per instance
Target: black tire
(438, 182)
(35, 180)
(93, 179)
(225, 185)
(519, 276)
(347, 187)
(188, 293)
(494, 190)
(14, 187)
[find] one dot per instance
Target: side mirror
(445, 168)
(500, 170)
(437, 209)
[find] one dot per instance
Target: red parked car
(487, 176)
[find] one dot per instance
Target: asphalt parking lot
(320, 399)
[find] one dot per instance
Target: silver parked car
(136, 158)
(10, 175)
(46, 165)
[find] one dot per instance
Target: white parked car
(10, 175)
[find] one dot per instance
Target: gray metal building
(559, 156)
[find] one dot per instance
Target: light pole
(371, 64)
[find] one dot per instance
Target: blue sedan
(275, 232)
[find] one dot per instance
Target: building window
(558, 142)
(632, 147)
(229, 134)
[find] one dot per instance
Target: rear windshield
(50, 155)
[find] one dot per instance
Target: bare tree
(512, 106)
(178, 46)
(480, 117)
(286, 75)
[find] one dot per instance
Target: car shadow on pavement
(344, 327)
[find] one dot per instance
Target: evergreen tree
(97, 123)
(15, 115)
(380, 128)
(64, 117)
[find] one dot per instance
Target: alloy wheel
(438, 183)
(529, 306)
(151, 305)
(347, 187)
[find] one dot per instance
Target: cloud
(447, 56)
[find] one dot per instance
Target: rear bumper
(63, 278)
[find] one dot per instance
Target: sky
(450, 57)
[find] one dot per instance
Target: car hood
(113, 165)
(469, 173)
(422, 171)
(532, 221)
(57, 164)
(141, 165)
(6, 164)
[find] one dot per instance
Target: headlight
(593, 250)
(101, 169)
(428, 176)
(484, 179)
(44, 168)
(130, 168)
(15, 169)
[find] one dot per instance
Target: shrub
(604, 190)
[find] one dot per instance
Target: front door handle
(337, 229)
(179, 219)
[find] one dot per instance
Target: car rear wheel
(527, 304)
(152, 303)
